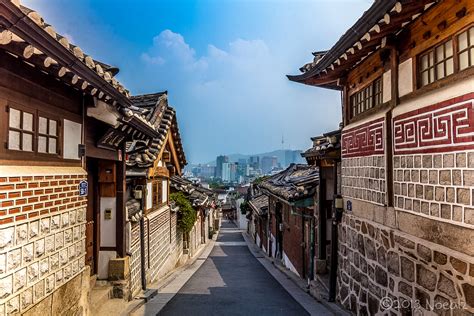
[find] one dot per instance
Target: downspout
(311, 243)
(336, 217)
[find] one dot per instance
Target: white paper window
(47, 136)
(466, 49)
(437, 63)
(20, 130)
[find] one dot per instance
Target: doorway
(92, 216)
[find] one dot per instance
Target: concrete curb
(303, 297)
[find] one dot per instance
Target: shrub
(187, 214)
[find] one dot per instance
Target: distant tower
(282, 142)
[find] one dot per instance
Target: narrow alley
(231, 281)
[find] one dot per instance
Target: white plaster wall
(387, 86)
(455, 89)
(273, 244)
(103, 265)
(164, 191)
(149, 195)
(405, 77)
(257, 240)
(107, 227)
(288, 264)
(71, 140)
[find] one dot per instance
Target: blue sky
(223, 63)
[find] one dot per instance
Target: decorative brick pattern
(364, 140)
(377, 262)
(439, 185)
(443, 127)
(363, 178)
(42, 236)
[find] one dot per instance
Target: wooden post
(121, 200)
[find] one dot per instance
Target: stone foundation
(384, 270)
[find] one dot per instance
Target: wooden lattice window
(367, 98)
(47, 135)
(21, 130)
(436, 63)
(466, 48)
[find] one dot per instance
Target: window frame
(366, 98)
(454, 39)
(19, 154)
(157, 193)
(434, 63)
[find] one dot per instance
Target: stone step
(100, 295)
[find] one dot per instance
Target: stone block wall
(42, 233)
(382, 269)
(437, 185)
(363, 162)
(135, 263)
(159, 246)
(363, 178)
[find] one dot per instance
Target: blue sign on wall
(349, 206)
(83, 186)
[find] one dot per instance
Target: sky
(223, 62)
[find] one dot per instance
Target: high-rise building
(219, 161)
(229, 172)
(268, 163)
(254, 162)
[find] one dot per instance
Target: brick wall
(377, 262)
(42, 233)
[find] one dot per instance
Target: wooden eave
(54, 55)
(364, 39)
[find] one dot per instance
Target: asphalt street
(232, 282)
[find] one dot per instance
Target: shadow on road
(231, 282)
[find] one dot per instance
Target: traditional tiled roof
(294, 183)
(383, 19)
(259, 204)
(324, 146)
(198, 195)
(24, 33)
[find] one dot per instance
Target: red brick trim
(364, 140)
(442, 127)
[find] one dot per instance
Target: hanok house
(291, 213)
(204, 202)
(153, 154)
(259, 218)
(325, 154)
(405, 73)
(47, 89)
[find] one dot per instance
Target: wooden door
(91, 217)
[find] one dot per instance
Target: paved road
(232, 282)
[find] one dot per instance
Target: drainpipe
(336, 219)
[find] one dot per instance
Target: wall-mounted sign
(349, 206)
(83, 186)
(108, 213)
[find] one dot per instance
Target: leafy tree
(187, 215)
(244, 207)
